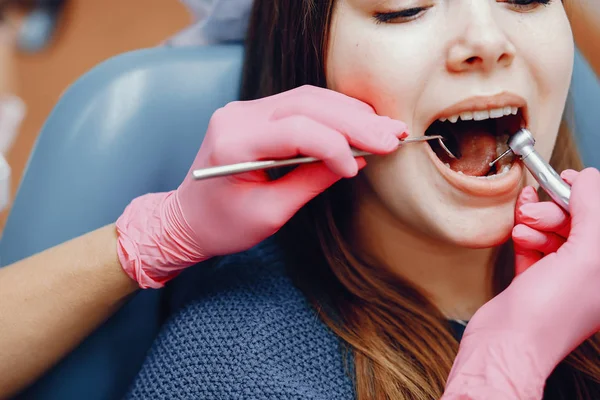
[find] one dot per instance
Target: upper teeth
(482, 115)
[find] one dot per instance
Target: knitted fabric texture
(242, 330)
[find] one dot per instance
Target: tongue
(477, 148)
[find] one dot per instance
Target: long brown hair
(400, 345)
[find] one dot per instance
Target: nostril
(505, 59)
(471, 60)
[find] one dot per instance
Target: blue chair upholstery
(585, 94)
(131, 126)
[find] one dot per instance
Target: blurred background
(84, 33)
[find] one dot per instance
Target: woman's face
(420, 61)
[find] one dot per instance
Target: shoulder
(244, 326)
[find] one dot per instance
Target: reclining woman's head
(386, 256)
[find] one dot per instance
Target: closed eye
(401, 16)
(526, 5)
(410, 14)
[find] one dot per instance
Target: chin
(479, 228)
(480, 209)
(480, 198)
(462, 211)
(466, 202)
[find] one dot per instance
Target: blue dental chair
(131, 126)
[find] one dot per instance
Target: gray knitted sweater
(242, 330)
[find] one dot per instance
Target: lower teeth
(502, 172)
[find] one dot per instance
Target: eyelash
(410, 14)
(399, 16)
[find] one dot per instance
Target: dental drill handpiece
(521, 144)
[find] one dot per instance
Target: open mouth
(477, 138)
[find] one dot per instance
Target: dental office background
(56, 41)
(85, 33)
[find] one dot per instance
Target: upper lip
(481, 103)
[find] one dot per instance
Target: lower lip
(507, 184)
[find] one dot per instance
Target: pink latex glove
(513, 343)
(161, 234)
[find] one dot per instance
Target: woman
(385, 270)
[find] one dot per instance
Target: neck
(457, 280)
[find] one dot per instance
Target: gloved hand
(513, 343)
(161, 234)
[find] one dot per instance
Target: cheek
(374, 68)
(549, 54)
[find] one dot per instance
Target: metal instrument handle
(548, 179)
(225, 170)
(522, 144)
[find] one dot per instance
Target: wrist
(492, 366)
(154, 241)
(116, 275)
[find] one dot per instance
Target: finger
(585, 207)
(527, 195)
(363, 130)
(525, 259)
(331, 95)
(292, 191)
(569, 176)
(545, 216)
(361, 162)
(300, 135)
(530, 239)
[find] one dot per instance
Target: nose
(480, 44)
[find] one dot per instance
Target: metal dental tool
(521, 144)
(225, 170)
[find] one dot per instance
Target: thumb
(524, 259)
(585, 205)
(294, 190)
